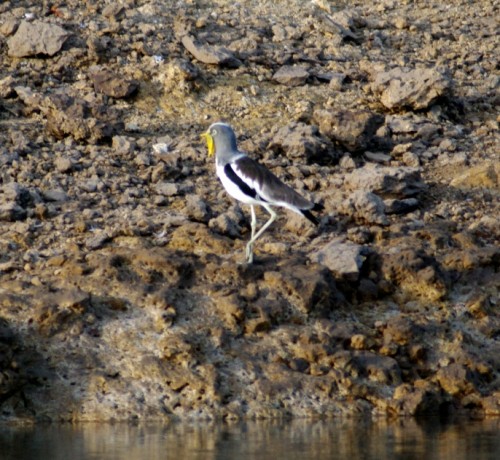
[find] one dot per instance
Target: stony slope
(123, 292)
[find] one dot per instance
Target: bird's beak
(210, 143)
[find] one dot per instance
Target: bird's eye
(214, 132)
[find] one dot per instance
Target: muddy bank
(123, 292)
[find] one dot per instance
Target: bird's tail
(309, 215)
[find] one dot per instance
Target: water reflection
(297, 439)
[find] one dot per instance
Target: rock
(196, 238)
(405, 128)
(261, 322)
(399, 330)
(424, 398)
(417, 89)
(8, 27)
(360, 342)
(123, 145)
(473, 258)
(14, 199)
(55, 194)
(14, 192)
(179, 75)
(209, 54)
(386, 181)
(411, 159)
(309, 290)
(7, 86)
(415, 273)
(196, 208)
(90, 185)
(365, 206)
(19, 141)
(58, 311)
(167, 188)
(160, 149)
(479, 306)
(347, 162)
(291, 75)
(491, 404)
(402, 124)
(64, 165)
(366, 364)
(483, 175)
(34, 38)
(343, 259)
(11, 212)
(393, 206)
(367, 290)
(488, 223)
(11, 265)
(337, 81)
(70, 116)
(30, 98)
(377, 157)
(112, 10)
(113, 85)
(456, 379)
(354, 130)
(97, 240)
(298, 140)
(338, 23)
(143, 159)
(225, 225)
(231, 310)
(283, 34)
(299, 365)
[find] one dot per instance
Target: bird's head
(220, 137)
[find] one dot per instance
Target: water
(403, 439)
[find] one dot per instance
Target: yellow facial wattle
(210, 143)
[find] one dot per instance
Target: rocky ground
(123, 288)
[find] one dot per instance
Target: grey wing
(269, 187)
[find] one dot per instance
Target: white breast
(233, 189)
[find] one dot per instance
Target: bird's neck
(224, 157)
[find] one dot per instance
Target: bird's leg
(260, 232)
(249, 252)
(253, 224)
(254, 221)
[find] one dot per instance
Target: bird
(250, 182)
